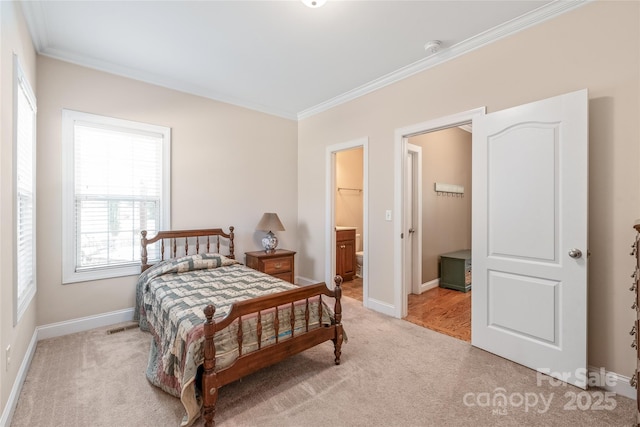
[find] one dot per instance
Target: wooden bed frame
(169, 243)
(248, 363)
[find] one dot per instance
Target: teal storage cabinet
(455, 270)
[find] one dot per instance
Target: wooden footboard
(268, 355)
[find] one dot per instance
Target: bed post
(143, 250)
(337, 311)
(232, 254)
(209, 381)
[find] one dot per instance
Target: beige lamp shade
(269, 223)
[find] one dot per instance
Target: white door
(413, 217)
(529, 238)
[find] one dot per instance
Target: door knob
(575, 253)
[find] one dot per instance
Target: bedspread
(170, 298)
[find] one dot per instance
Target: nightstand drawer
(278, 265)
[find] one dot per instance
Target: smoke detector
(314, 4)
(432, 46)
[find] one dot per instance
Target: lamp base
(269, 242)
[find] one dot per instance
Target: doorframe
(330, 224)
(415, 265)
(401, 136)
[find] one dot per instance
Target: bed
(214, 320)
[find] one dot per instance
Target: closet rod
(350, 189)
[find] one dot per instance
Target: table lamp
(270, 222)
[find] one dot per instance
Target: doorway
(347, 217)
(402, 246)
(440, 296)
(530, 180)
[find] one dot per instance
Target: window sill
(99, 274)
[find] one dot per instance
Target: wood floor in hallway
(439, 309)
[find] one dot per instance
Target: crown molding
(36, 22)
(165, 82)
(543, 13)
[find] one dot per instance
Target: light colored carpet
(393, 373)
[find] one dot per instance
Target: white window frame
(21, 86)
(69, 118)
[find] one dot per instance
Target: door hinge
(402, 235)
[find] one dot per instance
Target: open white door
(529, 238)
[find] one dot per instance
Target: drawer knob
(278, 265)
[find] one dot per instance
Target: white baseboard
(380, 306)
(370, 303)
(12, 402)
(619, 384)
(428, 286)
(84, 324)
(304, 281)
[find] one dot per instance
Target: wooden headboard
(177, 242)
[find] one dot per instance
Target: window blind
(118, 188)
(25, 191)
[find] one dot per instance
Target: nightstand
(279, 263)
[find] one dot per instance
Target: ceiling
(279, 57)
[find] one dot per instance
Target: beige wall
(596, 46)
(221, 154)
(229, 166)
(446, 220)
(14, 37)
(349, 174)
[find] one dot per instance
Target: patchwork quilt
(170, 299)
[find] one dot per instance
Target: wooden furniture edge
(251, 362)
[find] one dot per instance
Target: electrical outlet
(8, 357)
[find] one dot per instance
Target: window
(25, 191)
(116, 183)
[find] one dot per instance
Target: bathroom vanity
(346, 252)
